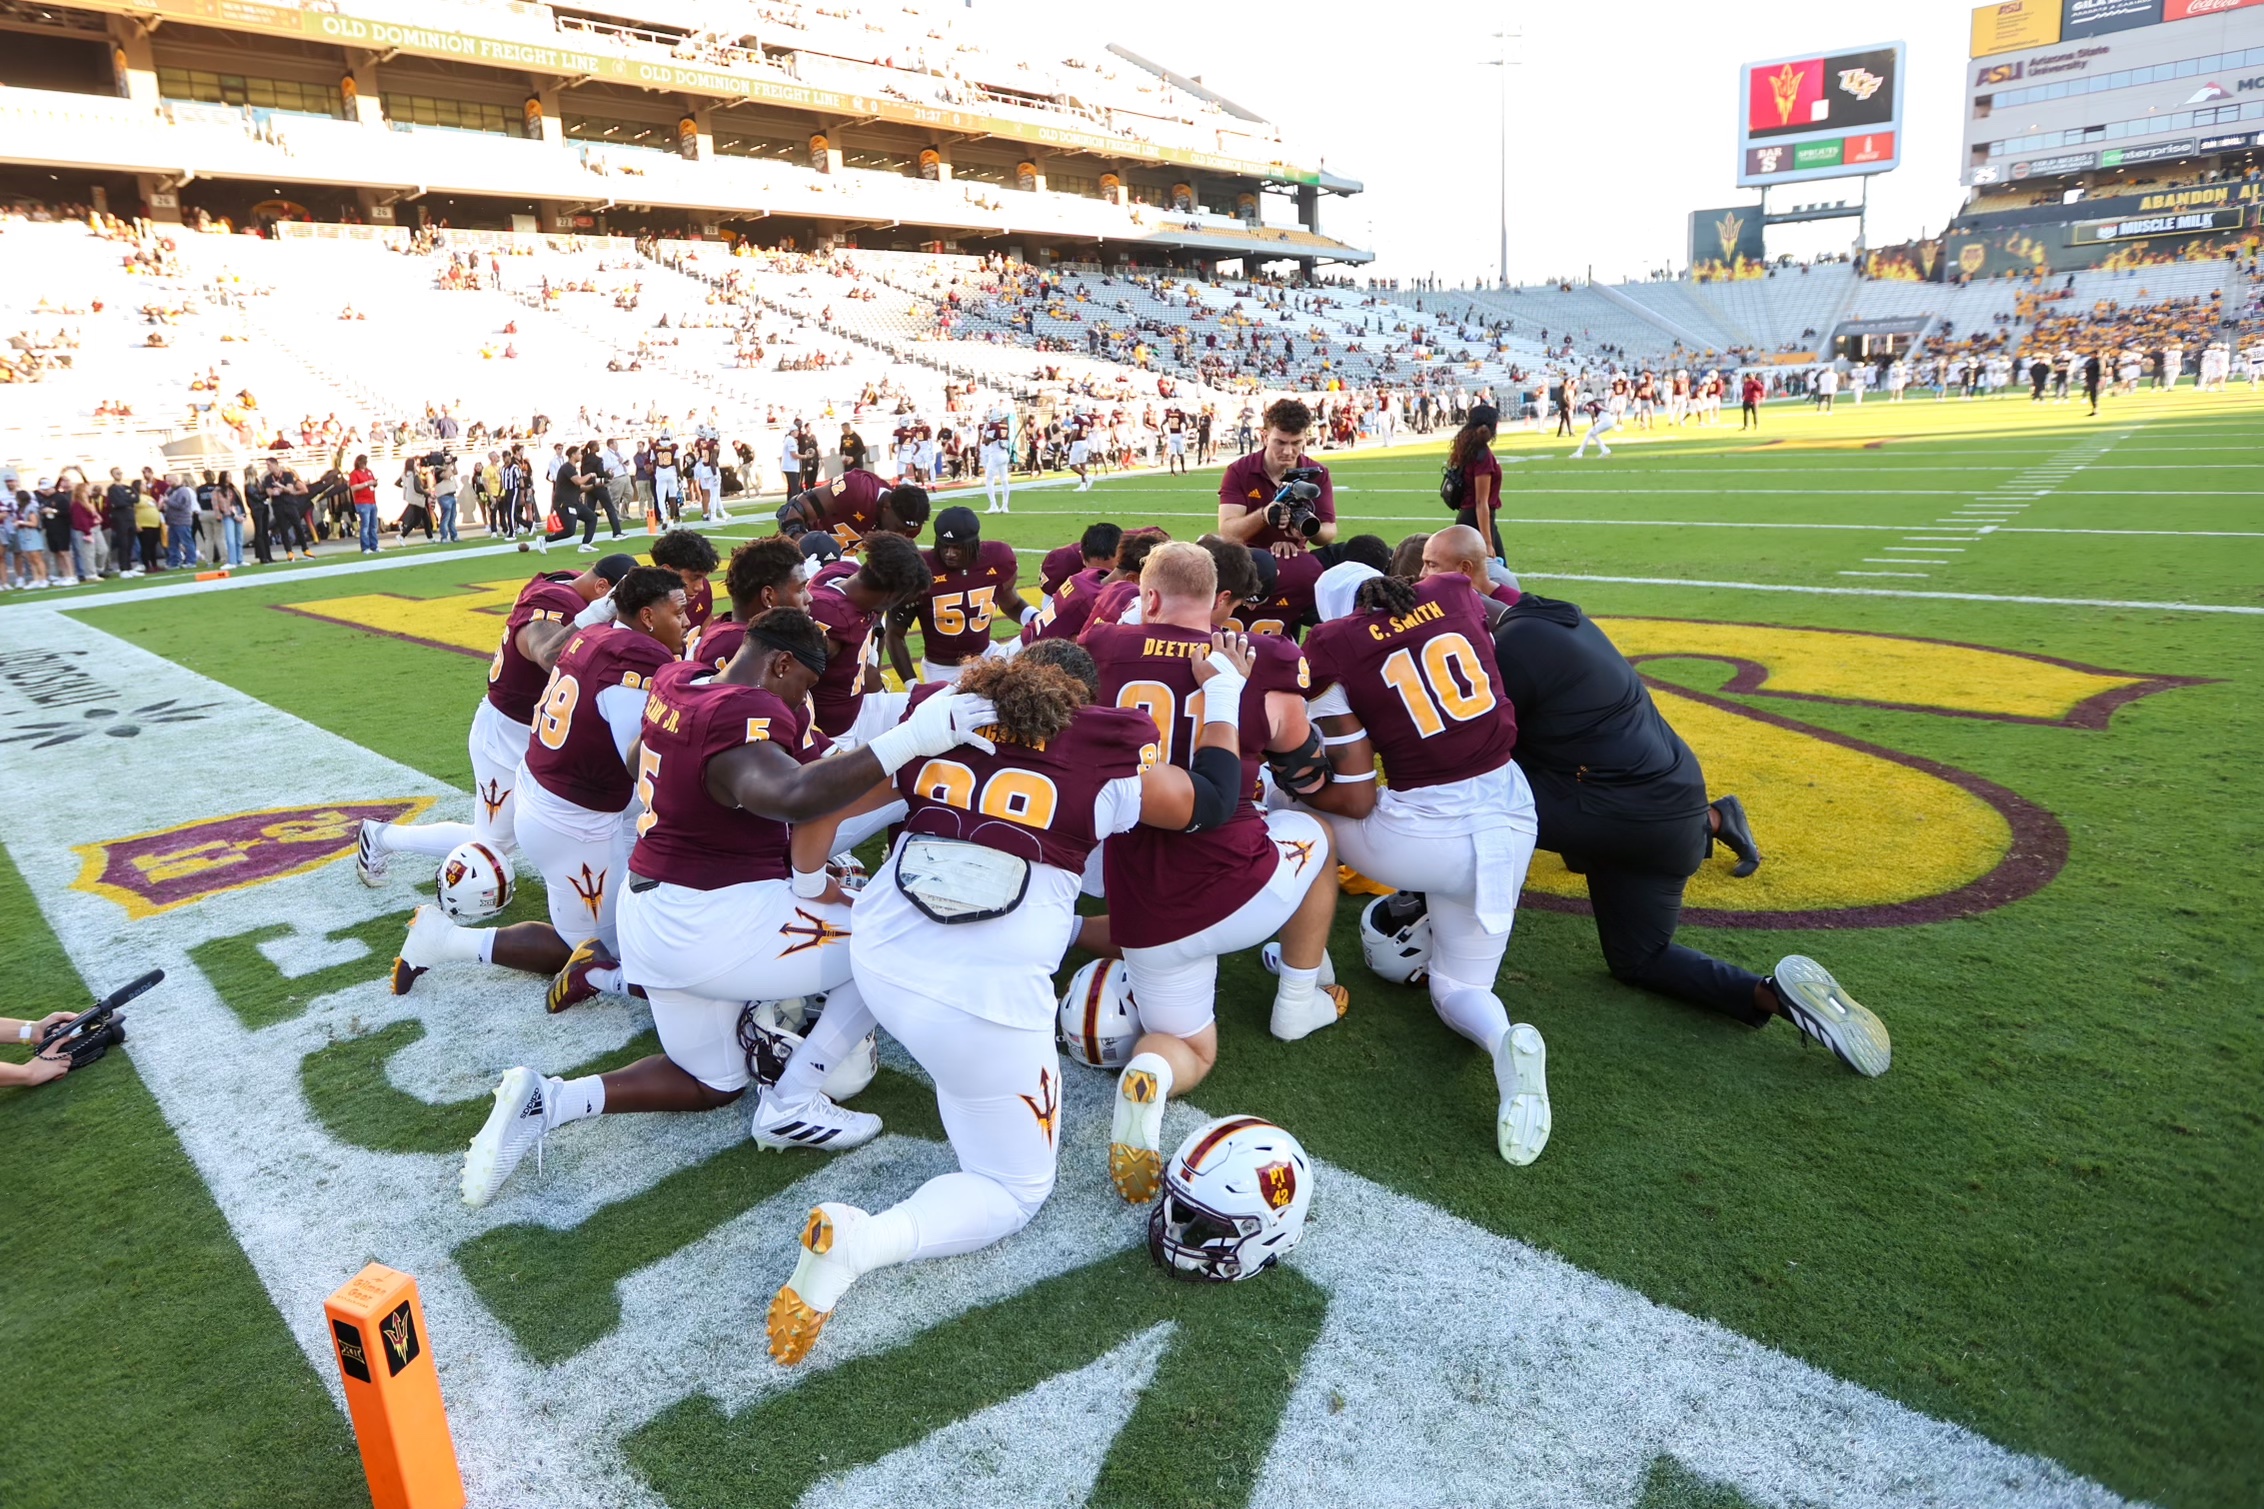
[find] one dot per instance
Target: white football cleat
(1820, 1007)
(831, 1260)
(370, 854)
(424, 946)
(1521, 1065)
(816, 1123)
(516, 1124)
(1135, 1140)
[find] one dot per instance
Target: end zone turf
(1738, 1275)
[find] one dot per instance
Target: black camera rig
(99, 1028)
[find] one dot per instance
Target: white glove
(939, 724)
(600, 612)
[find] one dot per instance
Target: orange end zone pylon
(377, 1330)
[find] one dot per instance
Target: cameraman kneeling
(1247, 512)
(43, 1067)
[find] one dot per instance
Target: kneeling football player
(724, 906)
(959, 934)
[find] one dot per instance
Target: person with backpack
(1472, 483)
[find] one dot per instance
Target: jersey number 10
(1452, 683)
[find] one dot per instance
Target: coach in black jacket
(1623, 800)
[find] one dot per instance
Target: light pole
(1505, 63)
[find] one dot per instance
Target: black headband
(779, 642)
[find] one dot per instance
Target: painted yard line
(1920, 574)
(1960, 597)
(1896, 560)
(1415, 1296)
(1929, 549)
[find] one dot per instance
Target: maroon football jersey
(513, 681)
(1424, 686)
(1110, 604)
(1291, 604)
(1060, 565)
(1064, 613)
(960, 606)
(687, 837)
(1031, 800)
(1161, 885)
(572, 753)
(699, 602)
(717, 643)
(852, 506)
(840, 691)
(1245, 488)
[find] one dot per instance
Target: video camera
(1292, 506)
(99, 1028)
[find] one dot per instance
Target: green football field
(1989, 677)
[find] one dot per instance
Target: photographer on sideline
(42, 1067)
(1246, 513)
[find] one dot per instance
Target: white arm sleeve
(623, 708)
(1117, 808)
(1330, 704)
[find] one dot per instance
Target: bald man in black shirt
(1623, 800)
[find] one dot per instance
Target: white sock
(840, 1027)
(948, 1215)
(484, 946)
(458, 945)
(435, 839)
(1472, 1011)
(567, 1100)
(1295, 992)
(607, 979)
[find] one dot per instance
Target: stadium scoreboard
(1833, 115)
(2061, 87)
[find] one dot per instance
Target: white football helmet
(1099, 1020)
(1233, 1203)
(770, 1031)
(1395, 937)
(474, 882)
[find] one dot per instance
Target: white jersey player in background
(997, 451)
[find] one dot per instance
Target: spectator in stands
(361, 485)
(180, 517)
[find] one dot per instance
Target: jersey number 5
(1452, 682)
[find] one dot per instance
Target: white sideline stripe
(1419, 1303)
(1961, 597)
(1929, 549)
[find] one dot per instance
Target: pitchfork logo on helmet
(1234, 1201)
(473, 884)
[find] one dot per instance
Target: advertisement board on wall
(2130, 82)
(1820, 116)
(2012, 25)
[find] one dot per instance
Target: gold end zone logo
(1859, 834)
(149, 873)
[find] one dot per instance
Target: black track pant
(1636, 872)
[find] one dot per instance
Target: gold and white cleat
(1521, 1126)
(824, 1272)
(1135, 1151)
